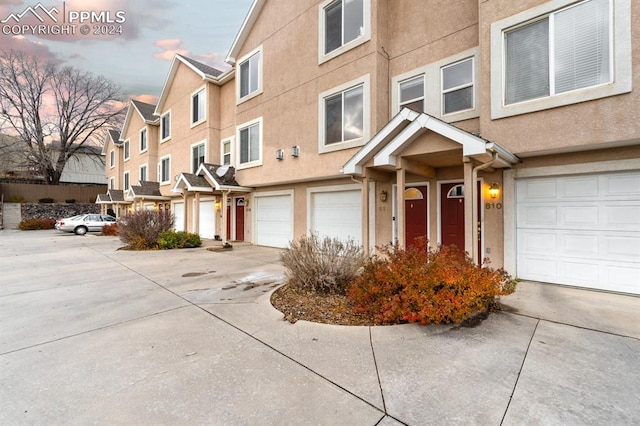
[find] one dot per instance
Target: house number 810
(493, 206)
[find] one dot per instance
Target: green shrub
(141, 229)
(16, 199)
(323, 265)
(110, 230)
(420, 284)
(46, 200)
(179, 239)
(36, 224)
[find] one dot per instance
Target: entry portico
(417, 147)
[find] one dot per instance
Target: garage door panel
(207, 225)
(274, 220)
(337, 214)
(178, 216)
(589, 235)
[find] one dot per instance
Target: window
(457, 86)
(143, 173)
(164, 170)
(250, 143)
(143, 140)
(165, 126)
(125, 180)
(250, 81)
(112, 183)
(226, 152)
(412, 94)
(197, 156)
(198, 107)
(560, 53)
(126, 149)
(112, 159)
(344, 24)
(344, 118)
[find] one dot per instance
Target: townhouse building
(510, 129)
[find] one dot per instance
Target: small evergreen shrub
(425, 285)
(110, 230)
(177, 240)
(323, 265)
(46, 200)
(141, 229)
(36, 224)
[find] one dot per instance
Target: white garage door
(580, 230)
(337, 214)
(274, 220)
(178, 216)
(207, 219)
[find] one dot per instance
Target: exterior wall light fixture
(295, 151)
(280, 154)
(494, 190)
(383, 195)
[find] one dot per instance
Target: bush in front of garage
(141, 229)
(110, 230)
(178, 239)
(323, 265)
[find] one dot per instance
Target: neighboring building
(509, 129)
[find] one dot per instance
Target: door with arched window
(452, 215)
(415, 207)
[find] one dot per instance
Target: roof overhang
(406, 126)
(182, 183)
(244, 31)
(203, 171)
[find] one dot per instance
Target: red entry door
(415, 208)
(452, 214)
(239, 219)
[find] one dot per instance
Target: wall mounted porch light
(280, 154)
(218, 205)
(494, 190)
(383, 195)
(295, 151)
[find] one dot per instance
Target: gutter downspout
(474, 200)
(225, 218)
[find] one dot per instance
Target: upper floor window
(457, 86)
(126, 149)
(143, 140)
(343, 24)
(112, 183)
(226, 152)
(250, 143)
(198, 106)
(164, 170)
(143, 173)
(560, 53)
(412, 94)
(250, 81)
(112, 159)
(165, 126)
(197, 156)
(125, 184)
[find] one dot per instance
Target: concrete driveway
(91, 334)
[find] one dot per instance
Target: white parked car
(83, 223)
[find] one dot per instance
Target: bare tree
(54, 110)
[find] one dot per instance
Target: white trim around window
(434, 99)
(143, 139)
(249, 131)
(192, 158)
(165, 120)
(198, 99)
(126, 181)
(348, 38)
(112, 183)
(126, 150)
(249, 75)
(361, 85)
(619, 54)
(164, 175)
(112, 158)
(143, 172)
(227, 155)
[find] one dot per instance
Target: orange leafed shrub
(425, 285)
(110, 230)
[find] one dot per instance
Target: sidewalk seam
(524, 359)
(375, 364)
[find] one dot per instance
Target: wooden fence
(31, 193)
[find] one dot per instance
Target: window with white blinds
(566, 50)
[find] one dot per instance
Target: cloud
(36, 49)
(149, 99)
(169, 48)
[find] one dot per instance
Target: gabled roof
(408, 125)
(103, 199)
(206, 72)
(147, 190)
(144, 110)
(209, 178)
(116, 195)
(244, 31)
(114, 137)
(193, 183)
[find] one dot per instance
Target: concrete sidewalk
(92, 334)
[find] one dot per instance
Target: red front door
(452, 215)
(239, 219)
(415, 207)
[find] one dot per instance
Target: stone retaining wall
(57, 210)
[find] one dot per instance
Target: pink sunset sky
(144, 35)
